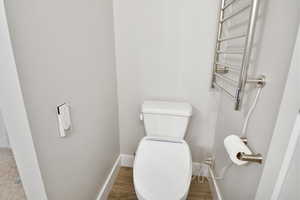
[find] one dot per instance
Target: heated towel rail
(221, 69)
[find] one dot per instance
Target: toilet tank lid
(167, 108)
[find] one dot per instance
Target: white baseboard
(213, 190)
(104, 192)
(198, 168)
(127, 160)
(4, 146)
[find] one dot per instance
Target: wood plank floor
(123, 188)
(10, 184)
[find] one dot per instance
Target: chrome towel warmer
(220, 68)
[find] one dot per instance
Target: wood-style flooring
(10, 184)
(123, 188)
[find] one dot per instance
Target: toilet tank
(166, 119)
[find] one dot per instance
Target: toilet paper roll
(234, 145)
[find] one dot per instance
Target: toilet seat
(162, 169)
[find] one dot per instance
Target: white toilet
(163, 165)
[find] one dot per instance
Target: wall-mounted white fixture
(64, 119)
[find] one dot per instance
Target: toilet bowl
(162, 169)
(163, 166)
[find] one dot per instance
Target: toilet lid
(162, 169)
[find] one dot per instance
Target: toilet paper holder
(257, 158)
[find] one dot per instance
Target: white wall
(271, 180)
(65, 52)
(4, 143)
(164, 51)
(15, 117)
(276, 33)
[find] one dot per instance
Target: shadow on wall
(202, 124)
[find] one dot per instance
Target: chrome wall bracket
(222, 70)
(210, 162)
(260, 81)
(257, 158)
(245, 140)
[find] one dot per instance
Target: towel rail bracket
(260, 81)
